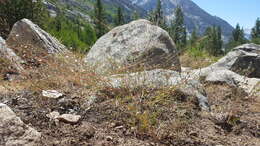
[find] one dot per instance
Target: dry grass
(4, 66)
(64, 72)
(196, 62)
(147, 111)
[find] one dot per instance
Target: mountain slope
(195, 17)
(128, 6)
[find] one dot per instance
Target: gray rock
(137, 44)
(13, 131)
(26, 32)
(12, 76)
(239, 68)
(244, 60)
(69, 118)
(10, 55)
(51, 94)
(249, 85)
(53, 115)
(160, 78)
(150, 79)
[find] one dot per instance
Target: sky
(244, 12)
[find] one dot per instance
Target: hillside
(131, 89)
(195, 17)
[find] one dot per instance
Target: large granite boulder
(13, 132)
(26, 32)
(139, 44)
(8, 55)
(160, 78)
(244, 60)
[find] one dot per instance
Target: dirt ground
(127, 118)
(153, 119)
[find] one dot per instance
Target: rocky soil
(234, 119)
(58, 98)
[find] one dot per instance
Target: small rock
(109, 138)
(219, 117)
(119, 127)
(51, 94)
(53, 115)
(69, 118)
(193, 133)
(11, 76)
(112, 125)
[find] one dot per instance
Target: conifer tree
(238, 38)
(178, 29)
(238, 34)
(214, 41)
(256, 30)
(78, 27)
(12, 11)
(194, 37)
(135, 16)
(58, 21)
(119, 17)
(99, 19)
(255, 34)
(158, 13)
(90, 37)
(218, 48)
(157, 16)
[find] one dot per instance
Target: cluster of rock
(239, 68)
(140, 43)
(12, 130)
